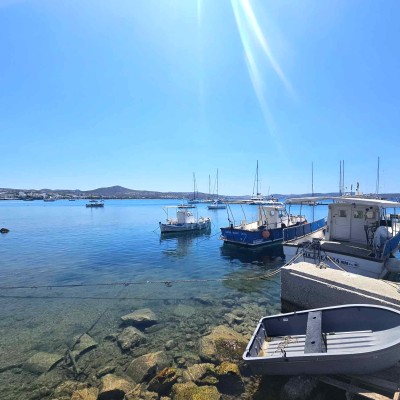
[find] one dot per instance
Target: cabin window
(359, 214)
(342, 213)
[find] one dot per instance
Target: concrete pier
(304, 285)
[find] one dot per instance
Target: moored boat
(266, 229)
(95, 204)
(360, 236)
(349, 339)
(185, 221)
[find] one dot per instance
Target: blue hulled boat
(267, 229)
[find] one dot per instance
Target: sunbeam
(245, 28)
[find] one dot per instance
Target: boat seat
(315, 342)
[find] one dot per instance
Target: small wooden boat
(349, 339)
(185, 221)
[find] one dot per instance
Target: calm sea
(99, 264)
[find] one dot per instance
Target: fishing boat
(95, 204)
(349, 339)
(360, 235)
(185, 221)
(266, 229)
(217, 204)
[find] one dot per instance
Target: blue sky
(142, 93)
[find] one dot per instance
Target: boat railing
(391, 245)
(301, 230)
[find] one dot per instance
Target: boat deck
(349, 248)
(337, 342)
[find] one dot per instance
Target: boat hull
(370, 267)
(349, 339)
(186, 227)
(254, 238)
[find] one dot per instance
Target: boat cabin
(353, 222)
(184, 216)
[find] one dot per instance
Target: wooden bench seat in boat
(315, 342)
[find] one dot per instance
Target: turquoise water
(83, 256)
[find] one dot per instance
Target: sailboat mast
(312, 179)
(377, 179)
(194, 186)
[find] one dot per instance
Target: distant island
(119, 192)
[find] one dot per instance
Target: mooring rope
(168, 283)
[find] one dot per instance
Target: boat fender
(266, 234)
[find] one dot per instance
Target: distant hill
(119, 192)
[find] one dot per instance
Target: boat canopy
(341, 199)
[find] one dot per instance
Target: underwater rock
(163, 381)
(230, 380)
(184, 311)
(114, 387)
(201, 374)
(222, 344)
(108, 369)
(146, 366)
(232, 319)
(190, 391)
(142, 317)
(170, 345)
(130, 337)
(204, 300)
(298, 388)
(66, 389)
(85, 394)
(82, 345)
(42, 362)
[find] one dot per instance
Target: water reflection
(256, 265)
(177, 244)
(262, 256)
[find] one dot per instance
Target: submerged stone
(230, 380)
(222, 344)
(130, 337)
(184, 311)
(42, 362)
(114, 387)
(142, 317)
(146, 366)
(84, 344)
(163, 381)
(190, 391)
(85, 394)
(201, 374)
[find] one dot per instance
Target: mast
(340, 178)
(377, 179)
(194, 186)
(217, 183)
(312, 179)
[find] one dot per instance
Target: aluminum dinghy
(349, 339)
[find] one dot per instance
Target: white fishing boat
(95, 204)
(360, 236)
(185, 221)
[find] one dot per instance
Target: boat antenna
(340, 178)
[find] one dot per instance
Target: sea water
(66, 269)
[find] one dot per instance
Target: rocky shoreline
(150, 359)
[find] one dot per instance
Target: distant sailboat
(217, 204)
(195, 200)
